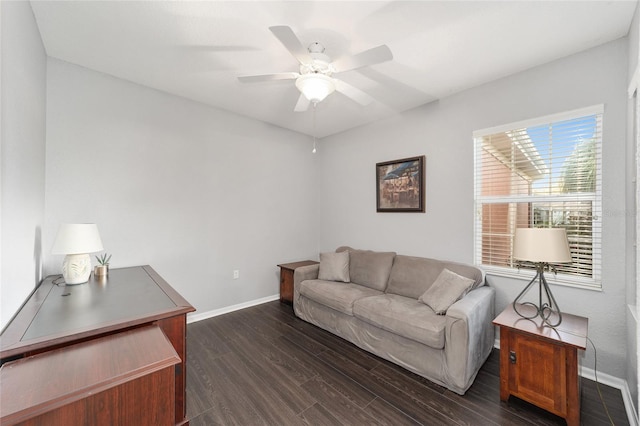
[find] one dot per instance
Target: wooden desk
(57, 316)
(121, 379)
(286, 278)
(539, 364)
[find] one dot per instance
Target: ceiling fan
(315, 79)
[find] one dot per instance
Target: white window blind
(544, 172)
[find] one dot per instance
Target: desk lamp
(76, 241)
(541, 246)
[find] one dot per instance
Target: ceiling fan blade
(372, 56)
(352, 92)
(302, 104)
(269, 77)
(288, 38)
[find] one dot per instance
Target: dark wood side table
(539, 364)
(57, 316)
(286, 278)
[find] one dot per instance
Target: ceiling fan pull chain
(314, 150)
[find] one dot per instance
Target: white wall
(443, 132)
(193, 191)
(22, 155)
(632, 201)
(634, 41)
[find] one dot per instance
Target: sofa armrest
(303, 273)
(469, 335)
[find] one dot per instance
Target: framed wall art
(400, 185)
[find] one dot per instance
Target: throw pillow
(370, 268)
(334, 266)
(445, 291)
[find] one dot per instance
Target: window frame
(595, 281)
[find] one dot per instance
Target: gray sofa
(387, 303)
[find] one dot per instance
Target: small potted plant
(102, 268)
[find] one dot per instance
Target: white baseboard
(618, 383)
(210, 314)
(609, 380)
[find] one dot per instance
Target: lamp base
(76, 268)
(542, 310)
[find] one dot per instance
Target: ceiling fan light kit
(315, 87)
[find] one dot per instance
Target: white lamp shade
(548, 245)
(315, 87)
(77, 238)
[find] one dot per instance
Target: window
(544, 172)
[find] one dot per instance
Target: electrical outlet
(236, 274)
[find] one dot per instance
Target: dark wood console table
(56, 316)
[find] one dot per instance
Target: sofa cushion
(334, 267)
(336, 295)
(404, 316)
(412, 276)
(370, 268)
(448, 288)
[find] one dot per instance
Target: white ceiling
(198, 49)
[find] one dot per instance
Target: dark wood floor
(262, 365)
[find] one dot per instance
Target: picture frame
(400, 185)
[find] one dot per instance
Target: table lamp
(76, 241)
(541, 246)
